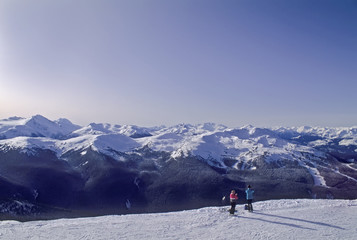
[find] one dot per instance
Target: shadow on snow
(290, 224)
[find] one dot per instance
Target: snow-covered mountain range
(209, 141)
(165, 168)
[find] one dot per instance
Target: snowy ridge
(36, 126)
(183, 137)
(277, 219)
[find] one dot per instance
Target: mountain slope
(104, 167)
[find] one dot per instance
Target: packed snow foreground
(273, 219)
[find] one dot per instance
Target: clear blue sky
(154, 62)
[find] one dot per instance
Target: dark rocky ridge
(95, 183)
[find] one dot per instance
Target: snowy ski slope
(275, 219)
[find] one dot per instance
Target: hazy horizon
(172, 125)
(155, 62)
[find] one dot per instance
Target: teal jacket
(249, 192)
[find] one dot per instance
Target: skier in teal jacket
(249, 192)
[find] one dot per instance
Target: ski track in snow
(275, 219)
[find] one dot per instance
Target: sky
(165, 62)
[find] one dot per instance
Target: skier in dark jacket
(249, 192)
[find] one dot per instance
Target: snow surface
(274, 219)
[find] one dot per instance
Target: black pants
(233, 207)
(250, 206)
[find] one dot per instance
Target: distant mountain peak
(39, 118)
(14, 118)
